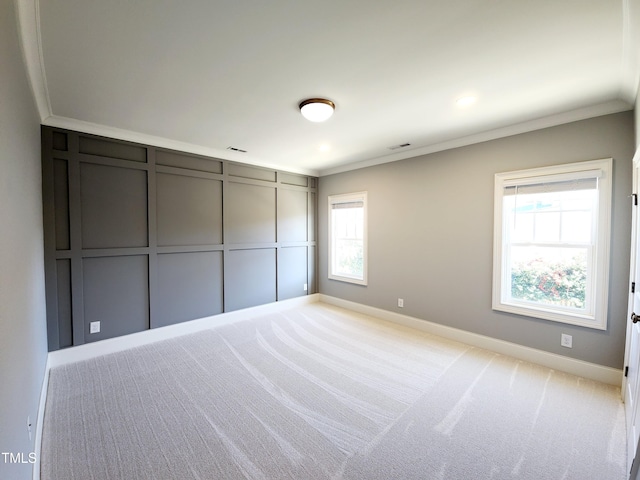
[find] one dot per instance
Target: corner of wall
(28, 21)
(23, 343)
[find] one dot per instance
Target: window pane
(576, 227)
(523, 228)
(547, 227)
(348, 242)
(349, 258)
(549, 275)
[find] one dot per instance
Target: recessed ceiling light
(466, 101)
(317, 109)
(324, 147)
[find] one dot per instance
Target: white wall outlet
(29, 426)
(304, 286)
(400, 303)
(94, 327)
(566, 340)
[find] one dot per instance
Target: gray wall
(431, 234)
(138, 237)
(23, 348)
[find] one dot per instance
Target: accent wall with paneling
(139, 237)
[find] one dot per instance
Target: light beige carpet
(323, 393)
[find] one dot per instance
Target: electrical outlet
(304, 286)
(566, 340)
(400, 303)
(94, 327)
(29, 426)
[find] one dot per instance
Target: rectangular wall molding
(139, 237)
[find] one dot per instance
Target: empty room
(319, 240)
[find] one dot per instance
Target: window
(348, 237)
(551, 242)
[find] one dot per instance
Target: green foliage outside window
(351, 258)
(557, 283)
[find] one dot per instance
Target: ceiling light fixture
(317, 109)
(466, 101)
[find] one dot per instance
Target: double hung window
(551, 242)
(348, 237)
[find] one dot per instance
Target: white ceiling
(203, 75)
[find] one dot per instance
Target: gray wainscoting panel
(190, 162)
(189, 286)
(250, 278)
(112, 149)
(114, 206)
(292, 272)
(59, 141)
(292, 179)
(139, 237)
(116, 294)
(256, 173)
(189, 210)
(252, 213)
(65, 325)
(292, 215)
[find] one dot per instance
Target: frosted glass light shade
(317, 109)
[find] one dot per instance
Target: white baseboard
(551, 360)
(581, 368)
(111, 345)
(39, 421)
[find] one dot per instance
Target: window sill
(581, 320)
(356, 281)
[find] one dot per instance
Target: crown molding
(28, 18)
(630, 50)
(606, 108)
(162, 142)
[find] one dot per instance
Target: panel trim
(114, 252)
(152, 234)
(184, 172)
(190, 248)
(253, 181)
(113, 162)
(75, 232)
(78, 253)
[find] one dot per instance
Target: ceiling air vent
(396, 147)
(236, 149)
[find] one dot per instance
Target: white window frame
(597, 317)
(348, 198)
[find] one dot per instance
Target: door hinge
(635, 199)
(626, 371)
(633, 287)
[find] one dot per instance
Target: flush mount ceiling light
(317, 109)
(466, 101)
